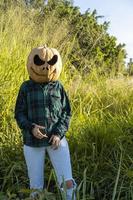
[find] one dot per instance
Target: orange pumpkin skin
(44, 64)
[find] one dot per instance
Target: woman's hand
(37, 133)
(55, 139)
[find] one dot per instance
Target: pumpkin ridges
(46, 54)
(48, 74)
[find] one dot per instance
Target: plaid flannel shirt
(43, 104)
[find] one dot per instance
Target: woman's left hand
(55, 139)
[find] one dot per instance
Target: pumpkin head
(44, 64)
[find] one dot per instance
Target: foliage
(100, 135)
(93, 46)
(130, 67)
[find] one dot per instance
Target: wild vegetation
(100, 90)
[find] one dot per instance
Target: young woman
(43, 113)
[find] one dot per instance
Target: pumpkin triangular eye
(53, 60)
(38, 61)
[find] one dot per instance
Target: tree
(130, 67)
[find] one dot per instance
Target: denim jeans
(60, 159)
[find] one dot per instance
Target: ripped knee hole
(69, 184)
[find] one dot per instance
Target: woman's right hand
(37, 133)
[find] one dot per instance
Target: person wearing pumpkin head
(43, 113)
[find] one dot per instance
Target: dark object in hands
(42, 131)
(50, 141)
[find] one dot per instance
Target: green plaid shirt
(43, 104)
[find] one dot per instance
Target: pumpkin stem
(45, 46)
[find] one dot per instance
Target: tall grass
(101, 131)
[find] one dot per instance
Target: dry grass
(100, 135)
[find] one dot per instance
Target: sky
(120, 15)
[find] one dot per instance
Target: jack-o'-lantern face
(44, 64)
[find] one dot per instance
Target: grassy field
(101, 131)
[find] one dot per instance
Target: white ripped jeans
(60, 159)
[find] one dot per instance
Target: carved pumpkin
(44, 64)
